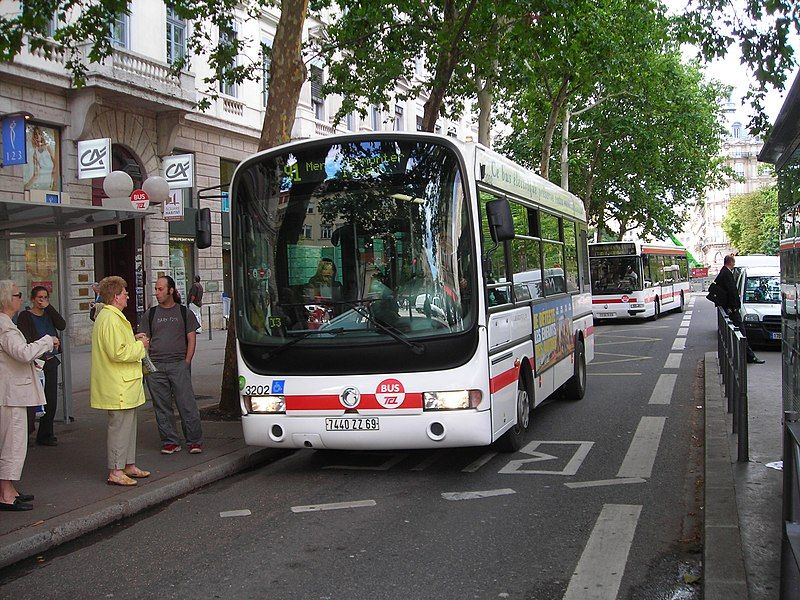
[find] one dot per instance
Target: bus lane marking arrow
(571, 468)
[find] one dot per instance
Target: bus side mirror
(501, 222)
(203, 227)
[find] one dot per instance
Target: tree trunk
(287, 75)
(485, 114)
(565, 150)
(552, 119)
(446, 63)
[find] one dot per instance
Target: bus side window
(586, 284)
(570, 257)
(494, 261)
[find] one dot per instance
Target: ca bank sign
(179, 171)
(94, 158)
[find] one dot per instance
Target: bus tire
(680, 308)
(513, 439)
(575, 387)
(657, 311)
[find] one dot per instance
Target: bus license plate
(606, 315)
(775, 335)
(351, 424)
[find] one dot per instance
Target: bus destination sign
(616, 249)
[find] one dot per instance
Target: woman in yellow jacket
(116, 380)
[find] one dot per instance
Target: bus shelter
(59, 221)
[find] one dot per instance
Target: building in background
(147, 115)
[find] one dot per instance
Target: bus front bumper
(438, 429)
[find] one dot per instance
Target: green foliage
(751, 222)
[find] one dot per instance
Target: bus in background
(636, 280)
(400, 291)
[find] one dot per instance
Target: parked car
(760, 290)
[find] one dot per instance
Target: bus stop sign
(140, 200)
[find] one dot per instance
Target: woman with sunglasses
(19, 388)
(42, 319)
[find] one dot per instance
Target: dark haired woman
(39, 320)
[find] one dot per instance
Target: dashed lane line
(679, 344)
(333, 506)
(475, 465)
(683, 332)
(614, 374)
(599, 571)
(673, 361)
(474, 495)
(641, 455)
(662, 393)
(603, 482)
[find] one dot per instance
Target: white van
(760, 293)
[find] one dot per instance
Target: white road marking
(475, 465)
(574, 463)
(673, 361)
(662, 393)
(625, 358)
(616, 330)
(628, 341)
(602, 482)
(599, 571)
(688, 313)
(333, 506)
(641, 455)
(679, 344)
(385, 466)
(613, 374)
(685, 324)
(235, 513)
(426, 462)
(683, 332)
(474, 495)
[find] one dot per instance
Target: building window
(399, 125)
(375, 114)
(317, 100)
(118, 36)
(351, 121)
(737, 130)
(176, 36)
(228, 36)
(307, 231)
(326, 232)
(419, 122)
(52, 25)
(266, 63)
(739, 168)
(310, 209)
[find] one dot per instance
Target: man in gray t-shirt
(171, 329)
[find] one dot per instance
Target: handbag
(716, 294)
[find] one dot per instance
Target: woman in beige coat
(19, 388)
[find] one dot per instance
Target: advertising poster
(42, 169)
(552, 332)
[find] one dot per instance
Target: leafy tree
(85, 22)
(751, 222)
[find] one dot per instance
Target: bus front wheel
(575, 387)
(512, 440)
(656, 311)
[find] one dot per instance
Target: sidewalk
(69, 481)
(743, 500)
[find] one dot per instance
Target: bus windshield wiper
(413, 346)
(302, 336)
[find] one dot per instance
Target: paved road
(604, 502)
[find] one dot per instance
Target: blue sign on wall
(225, 202)
(15, 150)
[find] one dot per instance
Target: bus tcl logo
(390, 393)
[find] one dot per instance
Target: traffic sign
(140, 200)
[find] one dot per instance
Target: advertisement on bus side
(552, 332)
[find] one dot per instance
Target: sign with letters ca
(94, 158)
(179, 171)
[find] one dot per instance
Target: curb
(723, 560)
(22, 543)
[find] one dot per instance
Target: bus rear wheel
(513, 439)
(575, 387)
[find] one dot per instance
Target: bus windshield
(615, 275)
(363, 239)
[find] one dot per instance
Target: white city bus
(636, 280)
(403, 291)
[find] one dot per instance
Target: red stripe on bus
(332, 402)
(609, 301)
(504, 379)
(674, 251)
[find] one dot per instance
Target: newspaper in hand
(147, 364)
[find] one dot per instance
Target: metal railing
(732, 354)
(790, 542)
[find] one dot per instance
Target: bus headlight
(456, 400)
(751, 317)
(265, 404)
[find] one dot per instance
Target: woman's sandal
(136, 473)
(123, 480)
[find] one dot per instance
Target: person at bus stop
(115, 382)
(19, 389)
(171, 329)
(195, 301)
(43, 319)
(730, 301)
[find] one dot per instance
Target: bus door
(668, 284)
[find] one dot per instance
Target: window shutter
(316, 83)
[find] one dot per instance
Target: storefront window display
(181, 263)
(30, 262)
(43, 171)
